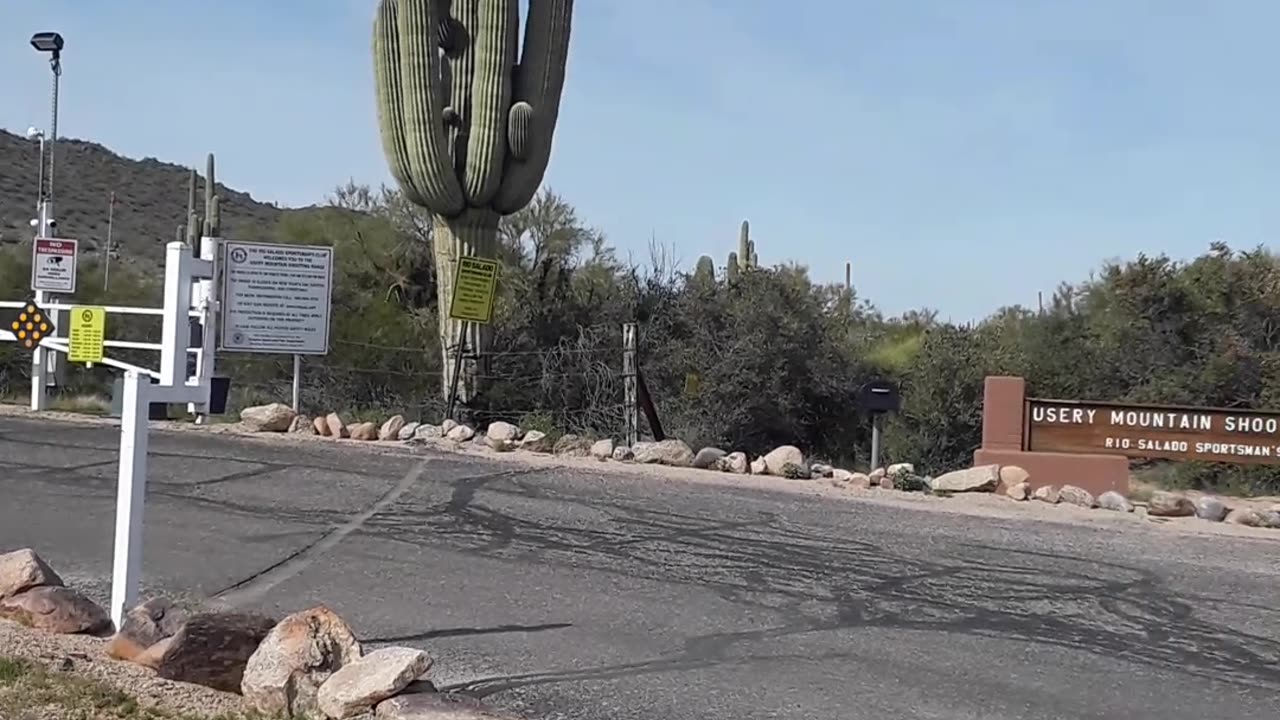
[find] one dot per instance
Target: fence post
(131, 493)
(297, 383)
(630, 408)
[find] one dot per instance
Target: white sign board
(276, 298)
(53, 265)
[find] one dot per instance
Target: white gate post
(176, 328)
(131, 493)
(39, 368)
(207, 303)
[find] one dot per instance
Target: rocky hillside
(151, 199)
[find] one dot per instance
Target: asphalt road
(568, 594)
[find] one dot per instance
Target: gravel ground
(83, 657)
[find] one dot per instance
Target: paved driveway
(574, 594)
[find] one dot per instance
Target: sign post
(474, 291)
(877, 398)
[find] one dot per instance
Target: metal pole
(875, 441)
(297, 383)
(56, 64)
(457, 368)
(40, 178)
(630, 408)
(111, 215)
(131, 494)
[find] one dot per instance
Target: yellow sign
(88, 331)
(474, 290)
(31, 326)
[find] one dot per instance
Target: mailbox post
(877, 398)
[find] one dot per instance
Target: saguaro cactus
(467, 124)
(745, 258)
(211, 224)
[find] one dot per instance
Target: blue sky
(962, 154)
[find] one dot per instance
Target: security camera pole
(52, 43)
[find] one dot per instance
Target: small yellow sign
(474, 288)
(88, 331)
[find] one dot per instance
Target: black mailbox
(879, 396)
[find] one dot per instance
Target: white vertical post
(176, 330)
(630, 408)
(131, 493)
(207, 303)
(297, 383)
(875, 440)
(39, 369)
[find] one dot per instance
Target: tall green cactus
(705, 271)
(746, 257)
(211, 224)
(467, 117)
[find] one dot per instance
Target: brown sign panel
(1146, 431)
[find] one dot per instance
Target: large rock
(780, 457)
(359, 686)
(408, 431)
(438, 706)
(336, 426)
(55, 609)
(736, 463)
(144, 626)
(676, 453)
(1018, 491)
(707, 458)
(983, 478)
(212, 649)
(1211, 508)
(460, 433)
(1115, 502)
(22, 570)
(501, 435)
(284, 675)
(447, 425)
(1072, 495)
(901, 469)
(364, 432)
(302, 425)
(1046, 493)
(822, 470)
(759, 467)
(623, 453)
(1011, 475)
(276, 417)
(571, 445)
(1168, 504)
(390, 429)
(602, 449)
(427, 431)
(536, 441)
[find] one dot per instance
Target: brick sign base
(1004, 425)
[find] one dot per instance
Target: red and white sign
(53, 265)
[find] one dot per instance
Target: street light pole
(52, 43)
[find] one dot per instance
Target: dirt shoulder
(973, 504)
(60, 677)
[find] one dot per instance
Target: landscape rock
(1047, 493)
(359, 686)
(364, 432)
(390, 429)
(438, 706)
(571, 445)
(1115, 502)
(1018, 491)
(284, 675)
(55, 609)
(276, 417)
(22, 570)
(321, 426)
(460, 433)
(821, 470)
(337, 427)
(1211, 508)
(1169, 504)
(302, 425)
(602, 449)
(501, 434)
(1011, 475)
(876, 474)
(1248, 517)
(536, 441)
(759, 467)
(145, 625)
(782, 456)
(900, 469)
(707, 458)
(448, 425)
(408, 431)
(736, 463)
(150, 658)
(792, 471)
(886, 481)
(622, 453)
(1072, 495)
(427, 431)
(212, 649)
(675, 453)
(983, 478)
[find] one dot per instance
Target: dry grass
(29, 691)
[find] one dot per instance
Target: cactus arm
(212, 217)
(411, 102)
(539, 80)
(490, 97)
(460, 67)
